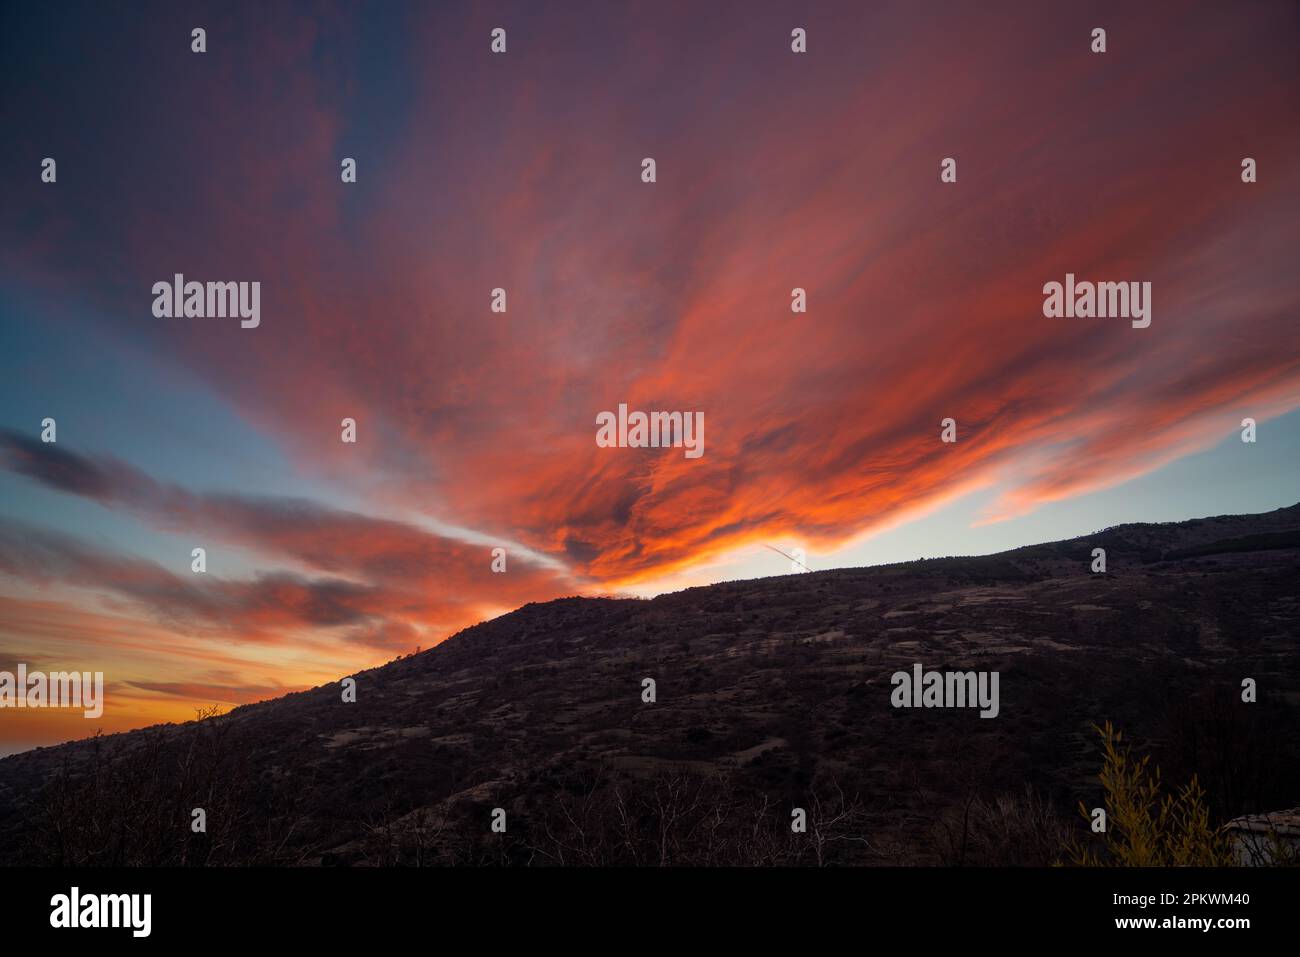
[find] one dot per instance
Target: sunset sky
(522, 171)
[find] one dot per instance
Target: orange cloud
(775, 172)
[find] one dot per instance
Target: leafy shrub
(1144, 826)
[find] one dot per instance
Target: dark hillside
(771, 694)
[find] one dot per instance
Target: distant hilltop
(738, 703)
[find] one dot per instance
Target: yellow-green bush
(1144, 826)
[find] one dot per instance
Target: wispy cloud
(521, 172)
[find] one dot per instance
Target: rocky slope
(771, 694)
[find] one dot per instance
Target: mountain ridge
(767, 689)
